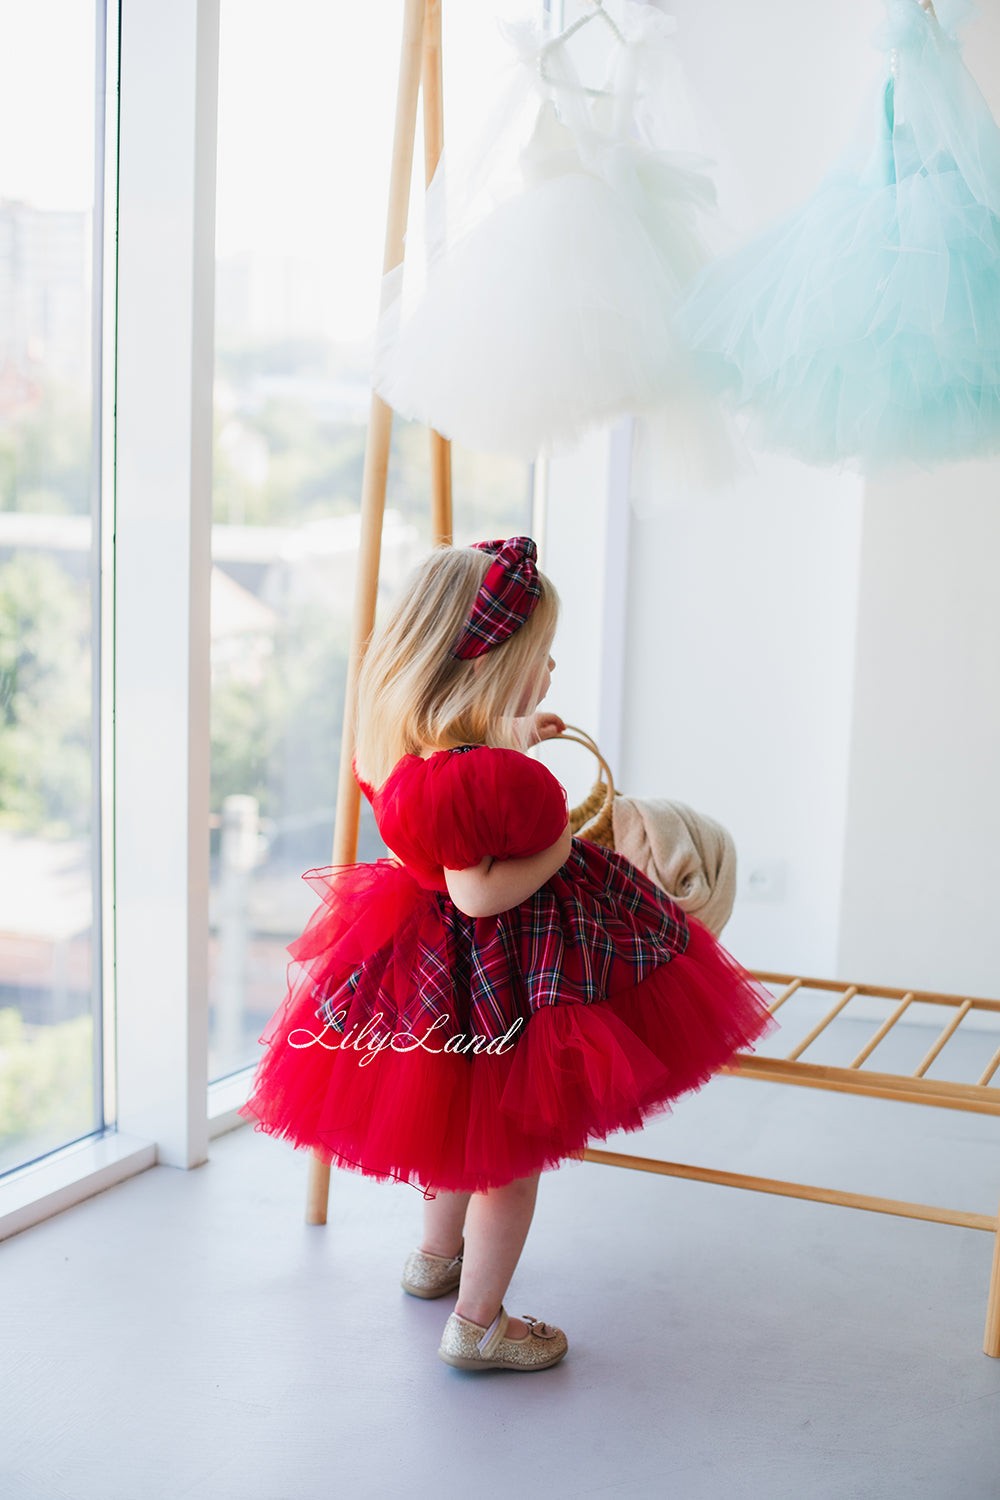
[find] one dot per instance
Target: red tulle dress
(459, 1053)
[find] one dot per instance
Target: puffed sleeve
(492, 802)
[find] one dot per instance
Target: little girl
(495, 994)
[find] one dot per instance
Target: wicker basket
(591, 819)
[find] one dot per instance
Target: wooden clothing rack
(420, 69)
(981, 1097)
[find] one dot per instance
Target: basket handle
(581, 737)
(593, 818)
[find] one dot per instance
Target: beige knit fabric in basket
(686, 854)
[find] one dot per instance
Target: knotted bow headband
(507, 596)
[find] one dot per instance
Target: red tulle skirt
(373, 1063)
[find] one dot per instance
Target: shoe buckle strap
(493, 1336)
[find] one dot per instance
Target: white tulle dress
(865, 330)
(553, 311)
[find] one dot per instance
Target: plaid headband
(507, 596)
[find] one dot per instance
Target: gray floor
(186, 1336)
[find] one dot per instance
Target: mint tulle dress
(865, 329)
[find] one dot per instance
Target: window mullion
(165, 291)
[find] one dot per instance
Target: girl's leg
(496, 1226)
(444, 1219)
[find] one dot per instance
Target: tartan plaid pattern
(558, 946)
(507, 596)
(597, 927)
(410, 979)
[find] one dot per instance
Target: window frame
(157, 67)
(154, 370)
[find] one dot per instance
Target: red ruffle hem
(421, 1045)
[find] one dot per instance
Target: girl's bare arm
(496, 885)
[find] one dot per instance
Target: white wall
(572, 555)
(737, 699)
(776, 630)
(921, 902)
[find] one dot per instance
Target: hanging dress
(865, 329)
(552, 313)
(459, 1053)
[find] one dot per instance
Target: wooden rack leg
(318, 1190)
(433, 89)
(345, 843)
(991, 1342)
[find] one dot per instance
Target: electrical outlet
(763, 879)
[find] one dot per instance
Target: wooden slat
(881, 991)
(786, 994)
(895, 1206)
(947, 1033)
(939, 1092)
(821, 1026)
(883, 1031)
(991, 1068)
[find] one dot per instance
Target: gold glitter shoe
(431, 1275)
(469, 1347)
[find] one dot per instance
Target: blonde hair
(413, 695)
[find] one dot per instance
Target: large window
(50, 1033)
(302, 185)
(303, 165)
